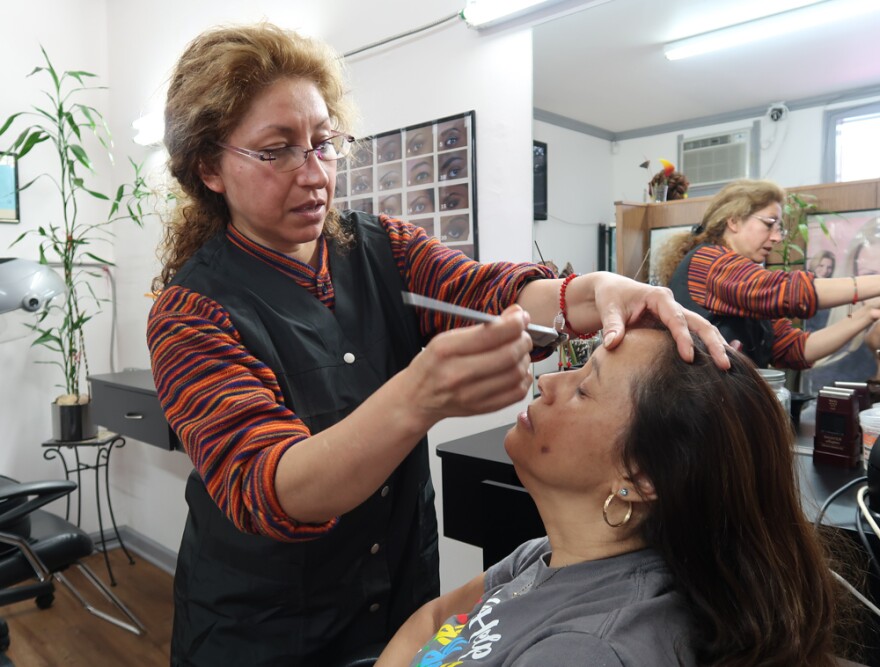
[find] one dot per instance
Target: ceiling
(604, 66)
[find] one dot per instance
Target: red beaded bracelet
(561, 320)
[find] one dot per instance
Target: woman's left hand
(618, 302)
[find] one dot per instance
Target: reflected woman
(718, 270)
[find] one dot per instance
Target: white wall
(578, 183)
(28, 387)
(790, 150)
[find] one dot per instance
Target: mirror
(606, 99)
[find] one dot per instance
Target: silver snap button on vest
(385, 490)
(348, 358)
(374, 549)
(374, 607)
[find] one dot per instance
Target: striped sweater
(727, 283)
(226, 405)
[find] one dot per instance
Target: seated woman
(675, 534)
(718, 270)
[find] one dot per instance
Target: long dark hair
(718, 447)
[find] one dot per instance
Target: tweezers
(541, 335)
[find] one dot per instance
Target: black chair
(37, 546)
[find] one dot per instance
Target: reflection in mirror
(606, 101)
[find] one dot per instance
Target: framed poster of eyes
(8, 189)
(424, 174)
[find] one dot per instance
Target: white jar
(776, 380)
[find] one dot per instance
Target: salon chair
(37, 546)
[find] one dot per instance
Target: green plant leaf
(81, 156)
(97, 195)
(99, 259)
(28, 140)
(9, 121)
(79, 75)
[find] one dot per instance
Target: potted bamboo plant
(68, 239)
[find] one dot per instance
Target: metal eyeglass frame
(295, 151)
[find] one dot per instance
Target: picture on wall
(851, 248)
(424, 174)
(539, 188)
(659, 237)
(8, 189)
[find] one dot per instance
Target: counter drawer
(132, 414)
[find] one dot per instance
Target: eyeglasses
(773, 224)
(288, 158)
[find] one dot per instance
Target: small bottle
(776, 380)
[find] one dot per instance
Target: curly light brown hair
(736, 200)
(212, 87)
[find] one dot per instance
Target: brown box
(838, 439)
(861, 389)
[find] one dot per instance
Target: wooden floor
(66, 635)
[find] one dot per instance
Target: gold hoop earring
(607, 504)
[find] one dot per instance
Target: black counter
(485, 505)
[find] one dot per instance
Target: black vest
(244, 599)
(755, 335)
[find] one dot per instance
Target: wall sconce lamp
(804, 15)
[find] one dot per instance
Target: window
(851, 138)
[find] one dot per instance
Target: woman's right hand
(462, 372)
(472, 370)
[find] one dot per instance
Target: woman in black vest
(299, 383)
(717, 270)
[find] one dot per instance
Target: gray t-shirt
(617, 611)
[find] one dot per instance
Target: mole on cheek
(545, 449)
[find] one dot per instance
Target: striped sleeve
(227, 409)
(788, 345)
(430, 268)
(726, 283)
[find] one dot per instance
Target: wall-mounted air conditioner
(718, 158)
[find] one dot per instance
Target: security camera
(777, 111)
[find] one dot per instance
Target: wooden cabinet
(635, 220)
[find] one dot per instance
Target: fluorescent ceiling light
(815, 14)
(485, 13)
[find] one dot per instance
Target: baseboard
(148, 549)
